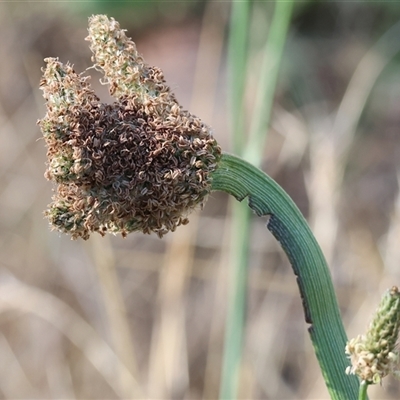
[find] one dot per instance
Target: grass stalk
(237, 61)
(267, 81)
(237, 302)
(362, 394)
(241, 214)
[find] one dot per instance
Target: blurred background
(143, 317)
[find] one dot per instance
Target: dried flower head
(139, 164)
(374, 355)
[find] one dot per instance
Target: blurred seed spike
(139, 164)
(374, 355)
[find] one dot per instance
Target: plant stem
(232, 353)
(237, 61)
(269, 73)
(242, 215)
(241, 179)
(362, 394)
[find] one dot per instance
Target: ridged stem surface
(266, 198)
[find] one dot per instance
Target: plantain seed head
(141, 163)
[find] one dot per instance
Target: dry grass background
(144, 318)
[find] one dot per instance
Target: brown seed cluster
(139, 164)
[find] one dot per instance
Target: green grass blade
(268, 79)
(237, 303)
(237, 62)
(241, 215)
(240, 179)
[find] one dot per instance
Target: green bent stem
(241, 179)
